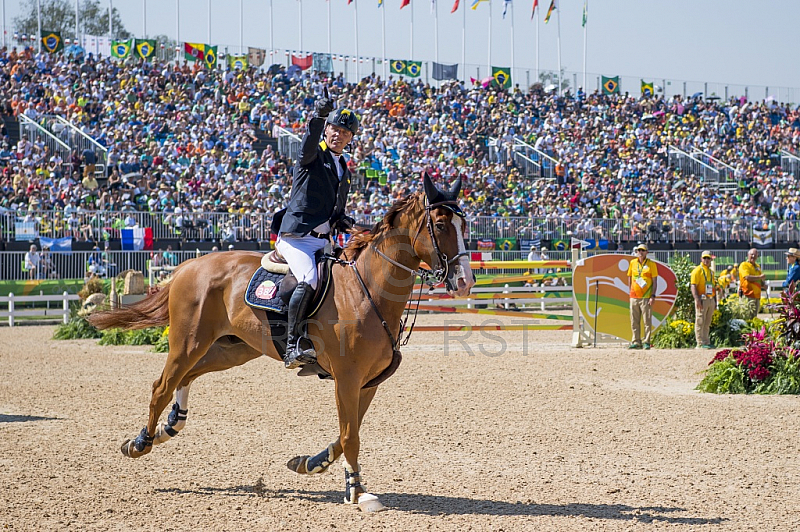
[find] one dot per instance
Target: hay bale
(134, 283)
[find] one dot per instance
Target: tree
(59, 15)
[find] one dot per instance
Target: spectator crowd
(182, 141)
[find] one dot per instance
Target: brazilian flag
(145, 48)
(397, 66)
(506, 244)
(502, 77)
(611, 85)
(560, 245)
(211, 56)
(237, 62)
(413, 68)
(648, 89)
(121, 49)
(52, 41)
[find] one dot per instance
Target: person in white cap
(642, 273)
(793, 271)
(704, 291)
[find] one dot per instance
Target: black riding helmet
(344, 118)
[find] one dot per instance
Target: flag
(475, 3)
(594, 243)
(25, 231)
(501, 77)
(506, 244)
(533, 11)
(52, 42)
(762, 239)
(455, 7)
(144, 48)
(441, 71)
(413, 68)
(57, 245)
(380, 3)
(121, 49)
(404, 3)
(553, 7)
(256, 56)
(397, 66)
(585, 14)
(210, 58)
(323, 63)
(304, 61)
(194, 51)
(647, 88)
(505, 7)
(576, 243)
(486, 245)
(136, 238)
(611, 85)
(237, 62)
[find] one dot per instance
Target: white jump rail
(12, 313)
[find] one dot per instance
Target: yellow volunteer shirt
(703, 278)
(749, 288)
(642, 275)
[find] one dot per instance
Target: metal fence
(790, 163)
(36, 134)
(75, 138)
(288, 143)
(226, 227)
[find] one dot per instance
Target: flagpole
(464, 39)
(383, 38)
(558, 91)
(512, 42)
(435, 30)
(77, 21)
(355, 25)
(490, 39)
(300, 23)
(241, 25)
(411, 48)
(144, 18)
(39, 24)
(209, 21)
(177, 21)
(272, 33)
(110, 22)
(585, 15)
(329, 30)
(538, 18)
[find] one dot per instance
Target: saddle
(272, 284)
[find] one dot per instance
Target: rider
(320, 187)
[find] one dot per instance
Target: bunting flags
(210, 58)
(533, 11)
(413, 68)
(585, 13)
(475, 3)
(553, 7)
(397, 66)
(404, 3)
(501, 77)
(323, 63)
(52, 42)
(144, 48)
(121, 49)
(194, 51)
(256, 56)
(611, 85)
(505, 7)
(237, 62)
(648, 89)
(455, 7)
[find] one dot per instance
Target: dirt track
(557, 439)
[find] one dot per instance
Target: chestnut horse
(211, 328)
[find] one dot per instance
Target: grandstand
(203, 158)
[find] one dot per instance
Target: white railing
(77, 139)
(693, 166)
(44, 312)
(288, 143)
(726, 171)
(790, 163)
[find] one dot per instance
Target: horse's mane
(360, 241)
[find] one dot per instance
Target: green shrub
(76, 328)
(724, 376)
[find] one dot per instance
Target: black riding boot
(299, 350)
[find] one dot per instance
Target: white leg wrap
(352, 484)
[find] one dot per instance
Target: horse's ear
(431, 192)
(455, 190)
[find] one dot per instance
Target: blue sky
(730, 41)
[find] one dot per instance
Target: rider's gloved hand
(323, 106)
(344, 224)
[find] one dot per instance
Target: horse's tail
(152, 311)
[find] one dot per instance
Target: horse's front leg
(348, 394)
(311, 465)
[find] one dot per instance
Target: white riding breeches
(299, 254)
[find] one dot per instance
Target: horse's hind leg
(311, 465)
(223, 354)
(186, 348)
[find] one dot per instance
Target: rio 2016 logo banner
(606, 277)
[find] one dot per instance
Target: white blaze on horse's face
(464, 276)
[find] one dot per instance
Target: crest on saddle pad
(272, 291)
(601, 288)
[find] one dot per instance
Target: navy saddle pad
(263, 292)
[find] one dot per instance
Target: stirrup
(297, 357)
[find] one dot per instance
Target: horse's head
(444, 248)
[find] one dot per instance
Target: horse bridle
(441, 272)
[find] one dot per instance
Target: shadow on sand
(418, 503)
(12, 418)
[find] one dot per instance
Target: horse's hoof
(126, 448)
(298, 464)
(369, 503)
